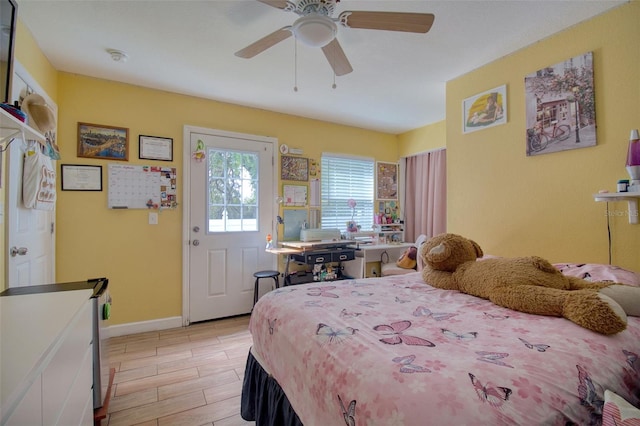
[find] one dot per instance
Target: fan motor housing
(322, 7)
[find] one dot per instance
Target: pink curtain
(426, 195)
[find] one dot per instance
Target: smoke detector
(118, 55)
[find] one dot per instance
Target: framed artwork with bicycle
(560, 106)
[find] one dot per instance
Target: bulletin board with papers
(142, 187)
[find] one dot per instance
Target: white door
(231, 211)
(30, 233)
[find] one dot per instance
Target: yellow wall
(30, 56)
(512, 204)
(144, 263)
(423, 139)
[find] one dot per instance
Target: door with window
(231, 211)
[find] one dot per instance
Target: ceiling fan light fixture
(315, 30)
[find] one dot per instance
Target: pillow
(408, 258)
(618, 412)
(392, 269)
(598, 272)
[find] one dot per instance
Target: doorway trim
(186, 197)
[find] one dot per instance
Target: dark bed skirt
(263, 400)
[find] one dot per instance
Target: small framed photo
(103, 142)
(75, 177)
(155, 148)
(484, 110)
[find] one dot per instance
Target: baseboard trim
(143, 326)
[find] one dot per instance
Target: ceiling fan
(317, 28)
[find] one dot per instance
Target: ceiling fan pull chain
(333, 53)
(295, 65)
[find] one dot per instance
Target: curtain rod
(425, 152)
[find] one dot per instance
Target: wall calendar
(142, 187)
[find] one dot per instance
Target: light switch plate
(153, 218)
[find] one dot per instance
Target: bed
(396, 351)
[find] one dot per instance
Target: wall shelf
(393, 232)
(631, 197)
(11, 127)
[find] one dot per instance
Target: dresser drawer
(328, 256)
(67, 364)
(343, 255)
(313, 257)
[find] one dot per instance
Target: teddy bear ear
(477, 248)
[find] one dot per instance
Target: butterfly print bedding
(407, 365)
(410, 354)
(348, 413)
(538, 346)
(494, 395)
(395, 330)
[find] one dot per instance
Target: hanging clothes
(38, 180)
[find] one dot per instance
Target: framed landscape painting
(104, 142)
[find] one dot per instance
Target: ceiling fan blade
(264, 43)
(336, 57)
(390, 21)
(279, 4)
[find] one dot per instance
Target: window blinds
(344, 178)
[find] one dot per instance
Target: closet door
(30, 240)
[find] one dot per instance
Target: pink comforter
(395, 351)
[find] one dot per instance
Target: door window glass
(233, 191)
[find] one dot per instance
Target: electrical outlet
(153, 218)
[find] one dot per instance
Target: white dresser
(46, 364)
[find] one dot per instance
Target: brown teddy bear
(527, 284)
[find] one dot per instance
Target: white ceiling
(398, 79)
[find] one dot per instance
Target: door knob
(13, 251)
(196, 242)
(196, 229)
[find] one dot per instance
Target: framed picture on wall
(155, 148)
(484, 110)
(560, 106)
(294, 168)
(294, 195)
(386, 181)
(76, 177)
(104, 142)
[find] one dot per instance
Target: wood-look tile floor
(188, 376)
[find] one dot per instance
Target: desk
(313, 253)
(368, 253)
